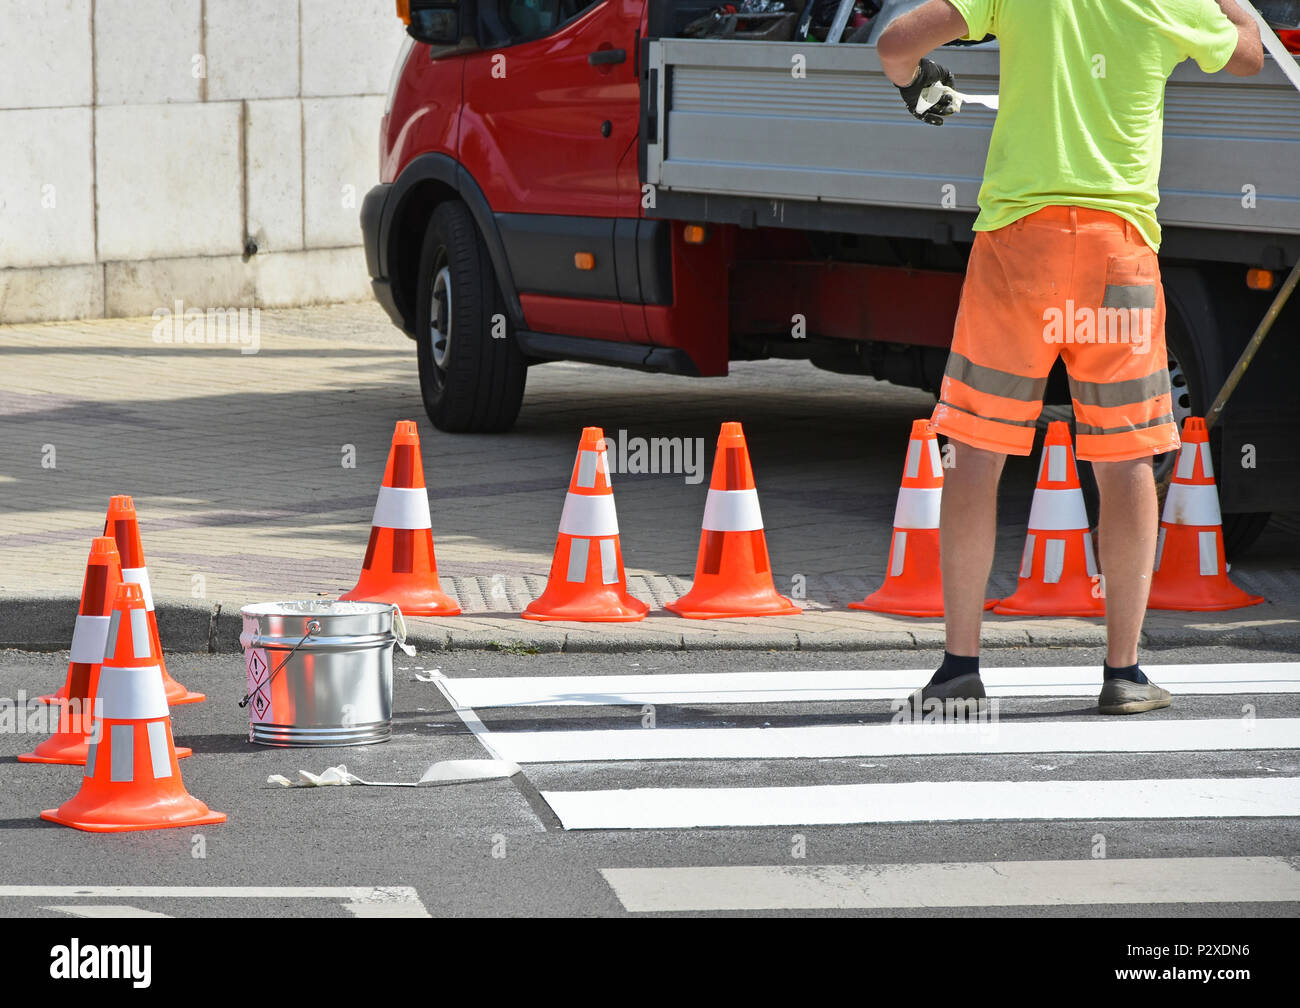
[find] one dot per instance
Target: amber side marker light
(1260, 279)
(404, 11)
(584, 260)
(695, 234)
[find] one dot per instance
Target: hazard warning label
(259, 685)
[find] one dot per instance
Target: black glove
(928, 73)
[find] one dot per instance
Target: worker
(1067, 215)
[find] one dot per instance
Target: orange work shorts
(1068, 281)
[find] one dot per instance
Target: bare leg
(967, 533)
(1127, 547)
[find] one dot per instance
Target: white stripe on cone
(1053, 560)
(121, 750)
(1056, 459)
(732, 511)
(159, 752)
(141, 643)
(140, 576)
(936, 466)
(912, 468)
(1027, 557)
(898, 553)
(1190, 504)
(121, 743)
(89, 635)
(917, 508)
(131, 694)
(1207, 544)
(402, 508)
(1187, 460)
(1058, 511)
(589, 516)
(608, 562)
(580, 552)
(579, 549)
(589, 464)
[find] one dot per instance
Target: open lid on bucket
(272, 623)
(317, 607)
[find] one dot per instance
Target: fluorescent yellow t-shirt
(1081, 117)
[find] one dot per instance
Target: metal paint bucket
(320, 673)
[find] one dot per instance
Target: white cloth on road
(446, 772)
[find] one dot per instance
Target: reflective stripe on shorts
(1065, 282)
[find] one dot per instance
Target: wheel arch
(426, 182)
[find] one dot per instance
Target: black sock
(1131, 672)
(954, 666)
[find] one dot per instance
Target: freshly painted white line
(110, 910)
(946, 801)
(962, 884)
(466, 714)
(360, 901)
(837, 741)
(843, 685)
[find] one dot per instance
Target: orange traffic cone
(400, 567)
(1058, 570)
(103, 575)
(913, 584)
(732, 574)
(1191, 573)
(587, 582)
(124, 526)
(132, 780)
(68, 744)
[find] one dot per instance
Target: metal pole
(841, 19)
(1248, 354)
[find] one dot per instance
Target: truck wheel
(471, 371)
(1196, 373)
(1193, 355)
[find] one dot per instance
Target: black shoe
(954, 695)
(1120, 696)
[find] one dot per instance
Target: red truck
(574, 180)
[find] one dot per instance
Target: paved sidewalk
(236, 465)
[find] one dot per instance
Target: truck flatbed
(731, 133)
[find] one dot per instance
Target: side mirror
(437, 22)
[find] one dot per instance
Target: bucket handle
(312, 627)
(399, 630)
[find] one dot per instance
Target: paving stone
(255, 477)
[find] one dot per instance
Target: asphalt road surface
(500, 847)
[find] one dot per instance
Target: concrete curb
(44, 623)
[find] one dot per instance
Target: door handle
(604, 57)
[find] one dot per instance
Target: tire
(1196, 373)
(471, 381)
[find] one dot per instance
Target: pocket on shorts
(1131, 281)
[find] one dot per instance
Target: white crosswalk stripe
(925, 801)
(880, 799)
(843, 684)
(910, 739)
(749, 750)
(957, 884)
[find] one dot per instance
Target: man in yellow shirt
(1067, 213)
